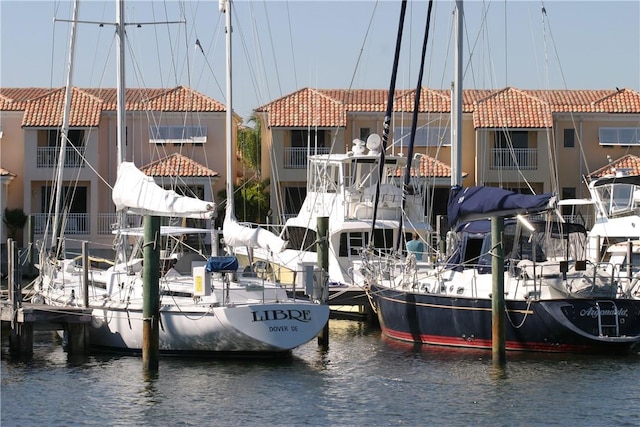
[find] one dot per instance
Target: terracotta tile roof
(628, 162)
(621, 101)
(47, 110)
(430, 168)
(177, 165)
(14, 99)
(307, 107)
(44, 107)
(182, 99)
(508, 107)
(512, 108)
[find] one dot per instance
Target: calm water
(362, 379)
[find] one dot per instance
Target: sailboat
(555, 301)
(208, 307)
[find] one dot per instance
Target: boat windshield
(616, 198)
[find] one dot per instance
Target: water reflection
(361, 378)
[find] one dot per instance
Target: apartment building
(525, 140)
(174, 135)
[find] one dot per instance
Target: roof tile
(627, 163)
(177, 165)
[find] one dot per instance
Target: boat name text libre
(267, 315)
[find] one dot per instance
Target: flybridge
(350, 180)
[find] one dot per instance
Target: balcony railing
(77, 223)
(516, 158)
(296, 157)
(47, 157)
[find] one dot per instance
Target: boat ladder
(608, 321)
(354, 242)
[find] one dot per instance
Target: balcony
(296, 157)
(47, 157)
(513, 159)
(80, 223)
(76, 223)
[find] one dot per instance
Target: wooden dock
(348, 302)
(23, 318)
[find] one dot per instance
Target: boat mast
(120, 84)
(387, 121)
(225, 7)
(120, 118)
(64, 131)
(456, 102)
(414, 123)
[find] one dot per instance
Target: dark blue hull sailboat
(567, 325)
(554, 299)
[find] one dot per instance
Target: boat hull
(251, 329)
(562, 325)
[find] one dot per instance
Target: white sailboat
(207, 306)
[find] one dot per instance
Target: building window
(364, 133)
(302, 138)
(515, 139)
(619, 136)
(569, 138)
(568, 193)
(178, 135)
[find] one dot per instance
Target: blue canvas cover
(475, 201)
(217, 264)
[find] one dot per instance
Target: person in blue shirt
(415, 246)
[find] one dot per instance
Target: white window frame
(178, 135)
(619, 136)
(426, 136)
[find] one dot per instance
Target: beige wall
(588, 156)
(477, 147)
(18, 155)
(12, 156)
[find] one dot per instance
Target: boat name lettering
(593, 312)
(265, 315)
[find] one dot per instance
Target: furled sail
(236, 234)
(139, 194)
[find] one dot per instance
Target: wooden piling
(85, 273)
(323, 260)
(18, 343)
(497, 300)
(151, 294)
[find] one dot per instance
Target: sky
(282, 46)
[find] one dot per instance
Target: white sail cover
(138, 193)
(239, 235)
